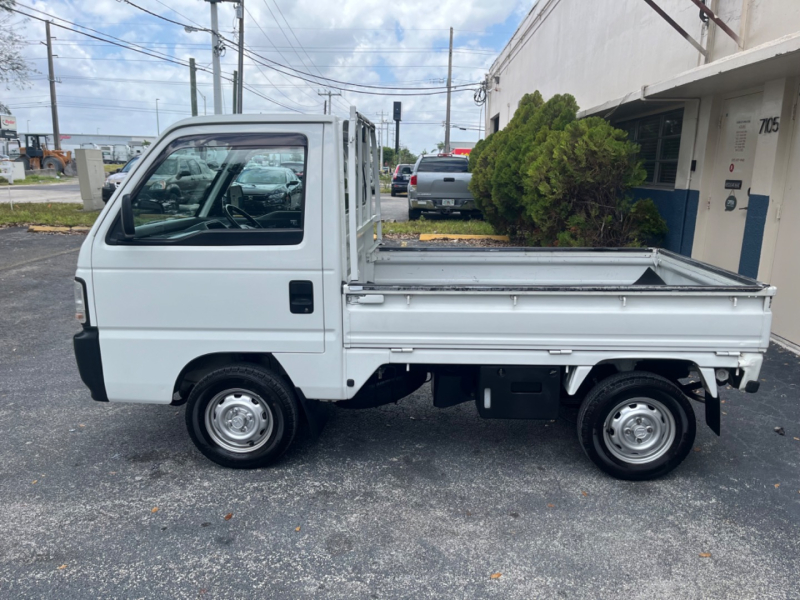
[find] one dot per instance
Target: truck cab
(256, 317)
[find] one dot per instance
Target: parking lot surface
(403, 501)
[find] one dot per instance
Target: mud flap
(317, 413)
(713, 413)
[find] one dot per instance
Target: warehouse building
(709, 89)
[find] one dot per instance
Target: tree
(14, 71)
(550, 180)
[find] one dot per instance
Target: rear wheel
(636, 425)
(414, 214)
(242, 416)
(393, 193)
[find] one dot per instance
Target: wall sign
(770, 125)
(730, 203)
(733, 184)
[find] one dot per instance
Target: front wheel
(414, 214)
(242, 416)
(636, 425)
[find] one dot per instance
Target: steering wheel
(230, 209)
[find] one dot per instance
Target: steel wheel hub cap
(239, 420)
(639, 430)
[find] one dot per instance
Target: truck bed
(557, 300)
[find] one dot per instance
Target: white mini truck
(255, 314)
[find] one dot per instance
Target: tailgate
(443, 185)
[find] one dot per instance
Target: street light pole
(204, 102)
(158, 123)
(449, 82)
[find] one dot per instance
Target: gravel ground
(406, 501)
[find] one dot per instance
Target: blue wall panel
(757, 207)
(679, 209)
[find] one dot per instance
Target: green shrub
(548, 179)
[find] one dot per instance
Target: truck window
(442, 165)
(182, 200)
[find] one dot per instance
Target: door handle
(744, 208)
(371, 299)
(449, 179)
(301, 297)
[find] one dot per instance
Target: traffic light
(397, 110)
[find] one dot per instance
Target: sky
(110, 90)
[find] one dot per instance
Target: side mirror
(293, 183)
(126, 218)
(184, 173)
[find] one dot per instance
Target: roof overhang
(747, 69)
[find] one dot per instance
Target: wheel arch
(198, 367)
(580, 379)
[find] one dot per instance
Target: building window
(496, 123)
(659, 139)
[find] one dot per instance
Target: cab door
(202, 282)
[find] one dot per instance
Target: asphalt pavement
(51, 192)
(403, 501)
(394, 208)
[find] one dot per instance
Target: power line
(298, 71)
(132, 47)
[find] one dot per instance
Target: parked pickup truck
(440, 184)
(255, 320)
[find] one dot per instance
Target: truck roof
(247, 118)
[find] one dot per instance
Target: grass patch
(472, 227)
(111, 168)
(37, 180)
(54, 214)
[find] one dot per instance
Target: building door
(785, 266)
(731, 184)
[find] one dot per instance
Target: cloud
(366, 41)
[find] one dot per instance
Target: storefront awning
(749, 68)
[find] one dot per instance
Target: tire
(413, 214)
(53, 163)
(26, 162)
(620, 405)
(247, 389)
(393, 193)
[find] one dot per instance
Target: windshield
(263, 177)
(443, 165)
(128, 166)
(168, 167)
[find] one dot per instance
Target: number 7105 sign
(770, 125)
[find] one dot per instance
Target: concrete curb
(50, 229)
(428, 237)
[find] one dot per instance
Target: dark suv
(400, 179)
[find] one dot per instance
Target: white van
(255, 315)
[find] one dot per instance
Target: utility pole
(449, 82)
(193, 85)
(329, 105)
(324, 107)
(215, 51)
(235, 103)
(381, 138)
(158, 122)
(240, 91)
(398, 110)
(52, 78)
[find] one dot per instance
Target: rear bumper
(90, 365)
(435, 204)
(400, 186)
